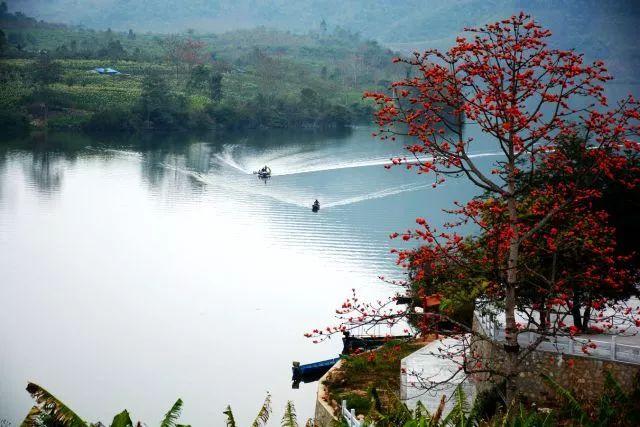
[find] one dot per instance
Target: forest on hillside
(404, 25)
(239, 79)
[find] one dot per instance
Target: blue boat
(311, 371)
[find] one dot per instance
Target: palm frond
(54, 408)
(573, 405)
(419, 412)
(172, 416)
(122, 420)
(263, 414)
(289, 418)
(33, 418)
(231, 421)
(612, 385)
(475, 413)
(458, 414)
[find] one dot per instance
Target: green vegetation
(49, 411)
(615, 407)
(257, 78)
(404, 24)
(375, 373)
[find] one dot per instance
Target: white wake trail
(367, 163)
(227, 158)
(386, 192)
(281, 170)
(128, 155)
(195, 175)
(377, 194)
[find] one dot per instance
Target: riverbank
(145, 97)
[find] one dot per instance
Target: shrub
(13, 122)
(109, 120)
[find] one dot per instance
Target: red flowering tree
(545, 111)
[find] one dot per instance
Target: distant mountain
(601, 28)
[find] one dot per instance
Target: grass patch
(379, 370)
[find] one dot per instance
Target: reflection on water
(135, 271)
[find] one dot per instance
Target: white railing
(349, 415)
(610, 350)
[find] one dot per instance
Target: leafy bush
(110, 120)
(13, 122)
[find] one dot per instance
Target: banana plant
(261, 419)
(289, 419)
(49, 411)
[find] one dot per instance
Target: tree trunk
(543, 318)
(586, 317)
(511, 332)
(575, 311)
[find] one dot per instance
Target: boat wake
(303, 202)
(296, 163)
(124, 154)
(227, 158)
(391, 191)
(236, 185)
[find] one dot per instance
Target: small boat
(311, 371)
(316, 206)
(264, 173)
(353, 344)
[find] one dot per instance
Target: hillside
(265, 77)
(402, 24)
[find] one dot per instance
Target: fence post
(352, 421)
(613, 347)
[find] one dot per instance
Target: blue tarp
(109, 71)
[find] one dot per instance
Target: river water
(136, 270)
(139, 270)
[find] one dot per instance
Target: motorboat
(264, 173)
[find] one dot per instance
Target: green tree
(198, 78)
(113, 50)
(3, 42)
(154, 97)
(16, 39)
(45, 70)
(215, 86)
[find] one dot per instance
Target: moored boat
(311, 371)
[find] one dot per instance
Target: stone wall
(324, 414)
(585, 376)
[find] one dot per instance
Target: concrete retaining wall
(324, 414)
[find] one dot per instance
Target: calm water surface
(136, 271)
